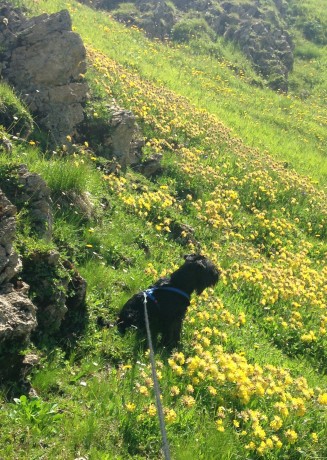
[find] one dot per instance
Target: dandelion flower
(188, 401)
(174, 391)
(219, 425)
(130, 407)
(291, 436)
(152, 410)
(322, 399)
(314, 437)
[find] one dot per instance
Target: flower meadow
(265, 225)
(249, 379)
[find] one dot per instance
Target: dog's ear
(188, 257)
(197, 259)
(193, 257)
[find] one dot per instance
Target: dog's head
(197, 273)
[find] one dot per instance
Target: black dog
(167, 300)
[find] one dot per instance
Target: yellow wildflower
(250, 446)
(212, 390)
(130, 407)
(259, 432)
(174, 391)
(170, 415)
(143, 390)
(188, 401)
(220, 427)
(291, 436)
(190, 389)
(314, 437)
(276, 423)
(322, 399)
(152, 410)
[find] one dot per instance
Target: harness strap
(150, 292)
(178, 291)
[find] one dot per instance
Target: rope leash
(165, 445)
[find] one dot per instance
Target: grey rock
(116, 136)
(17, 314)
(48, 279)
(10, 263)
(122, 128)
(6, 144)
(45, 61)
(80, 202)
(151, 166)
(34, 191)
(155, 18)
(17, 321)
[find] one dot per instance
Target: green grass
(264, 224)
(14, 115)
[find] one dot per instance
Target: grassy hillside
(287, 127)
(245, 170)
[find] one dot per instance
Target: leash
(165, 445)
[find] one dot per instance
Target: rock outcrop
(55, 286)
(156, 18)
(17, 312)
(29, 190)
(45, 61)
(262, 39)
(150, 167)
(259, 30)
(123, 130)
(115, 135)
(58, 290)
(10, 264)
(49, 281)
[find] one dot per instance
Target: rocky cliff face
(45, 62)
(259, 35)
(56, 286)
(258, 29)
(156, 18)
(23, 186)
(17, 312)
(10, 264)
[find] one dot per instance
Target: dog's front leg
(171, 336)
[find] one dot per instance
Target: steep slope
(250, 376)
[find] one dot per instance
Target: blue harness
(149, 292)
